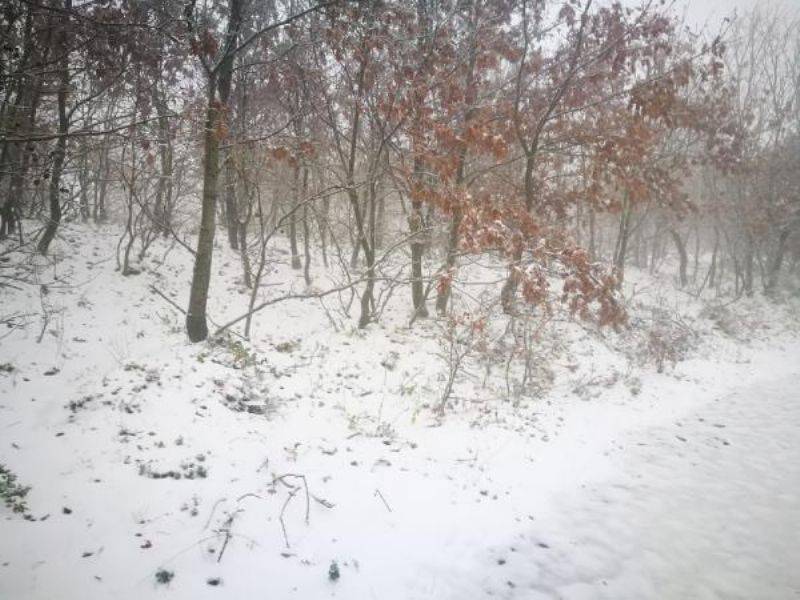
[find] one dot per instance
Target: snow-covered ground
(246, 470)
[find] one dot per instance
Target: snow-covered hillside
(311, 461)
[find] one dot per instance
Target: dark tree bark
(196, 325)
(367, 298)
(712, 270)
(621, 247)
(60, 150)
(225, 84)
(416, 226)
(747, 268)
(322, 226)
(296, 264)
(359, 210)
(18, 118)
(509, 290)
(130, 233)
(306, 233)
(218, 82)
(231, 206)
(164, 190)
(101, 187)
(776, 263)
(683, 257)
(83, 179)
(242, 225)
(14, 159)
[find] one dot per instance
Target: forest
(399, 299)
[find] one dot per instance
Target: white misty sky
(711, 12)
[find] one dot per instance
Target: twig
(379, 495)
(323, 501)
(248, 495)
(45, 313)
(213, 509)
(293, 491)
(168, 299)
(283, 510)
(227, 530)
(181, 310)
(224, 545)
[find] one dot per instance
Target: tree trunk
(416, 226)
(509, 290)
(18, 119)
(322, 226)
(777, 261)
(231, 211)
(367, 298)
(444, 291)
(359, 210)
(296, 264)
(621, 247)
(101, 191)
(362, 240)
(11, 160)
(60, 151)
(163, 207)
(654, 249)
(747, 274)
(712, 270)
(682, 256)
(83, 179)
(225, 85)
(241, 230)
(196, 325)
(131, 198)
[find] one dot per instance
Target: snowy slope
(247, 470)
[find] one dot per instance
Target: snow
(702, 507)
(616, 481)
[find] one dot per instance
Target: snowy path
(706, 508)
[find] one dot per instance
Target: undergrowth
(12, 494)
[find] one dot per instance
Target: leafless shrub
(665, 340)
(459, 337)
(526, 358)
